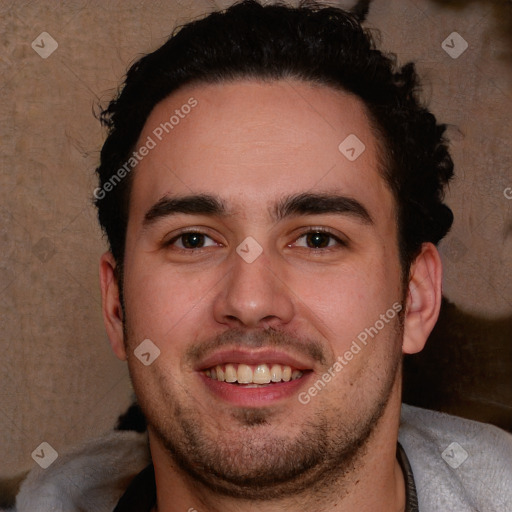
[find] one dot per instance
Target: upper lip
(252, 357)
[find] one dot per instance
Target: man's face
(197, 286)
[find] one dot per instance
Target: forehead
(252, 141)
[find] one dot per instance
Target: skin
(251, 144)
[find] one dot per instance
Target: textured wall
(59, 382)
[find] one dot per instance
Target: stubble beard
(258, 462)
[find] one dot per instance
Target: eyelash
(171, 242)
(309, 231)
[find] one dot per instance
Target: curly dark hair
(314, 43)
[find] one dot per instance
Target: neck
(376, 483)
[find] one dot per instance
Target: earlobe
(111, 305)
(423, 298)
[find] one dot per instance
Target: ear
(111, 305)
(423, 298)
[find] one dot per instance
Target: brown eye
(191, 240)
(317, 240)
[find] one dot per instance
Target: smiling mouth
(253, 375)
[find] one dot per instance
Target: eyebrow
(200, 204)
(294, 205)
(321, 203)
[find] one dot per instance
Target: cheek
(161, 303)
(342, 303)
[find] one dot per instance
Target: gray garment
(458, 466)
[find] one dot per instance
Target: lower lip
(243, 396)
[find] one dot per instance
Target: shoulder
(458, 464)
(91, 476)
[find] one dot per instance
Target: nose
(254, 295)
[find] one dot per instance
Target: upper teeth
(258, 374)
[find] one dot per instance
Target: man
(271, 189)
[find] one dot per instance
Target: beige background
(59, 382)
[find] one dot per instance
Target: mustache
(268, 338)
